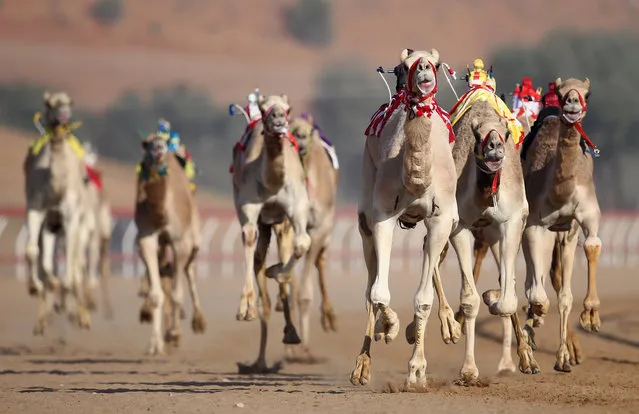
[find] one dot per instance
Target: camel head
(421, 68)
(573, 96)
(303, 130)
(275, 111)
(58, 108)
(155, 149)
(490, 142)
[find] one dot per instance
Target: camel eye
(587, 95)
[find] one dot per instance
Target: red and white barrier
(221, 251)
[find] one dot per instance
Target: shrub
(107, 12)
(309, 21)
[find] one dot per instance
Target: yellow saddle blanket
(40, 142)
(481, 94)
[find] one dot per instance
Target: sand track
(105, 370)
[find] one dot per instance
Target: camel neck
(567, 163)
(59, 167)
(418, 155)
(273, 161)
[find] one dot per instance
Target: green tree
(309, 21)
(346, 96)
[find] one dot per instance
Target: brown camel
(54, 184)
(269, 187)
(491, 197)
(166, 216)
(320, 166)
(558, 172)
(408, 176)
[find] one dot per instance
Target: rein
(578, 124)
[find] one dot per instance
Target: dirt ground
(105, 370)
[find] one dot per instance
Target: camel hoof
(248, 315)
(387, 324)
(590, 321)
(82, 318)
(38, 329)
(451, 330)
(89, 298)
(172, 338)
(540, 309)
(275, 272)
(198, 324)
(565, 367)
(290, 336)
(527, 362)
(146, 314)
(361, 375)
(329, 320)
(259, 367)
(156, 350)
(506, 367)
(468, 377)
(35, 288)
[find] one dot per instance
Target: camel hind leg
(480, 249)
(198, 323)
(450, 328)
(264, 310)
(284, 235)
(329, 319)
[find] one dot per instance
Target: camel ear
(474, 123)
(558, 83)
(403, 55)
(435, 55)
(310, 120)
(284, 98)
(46, 98)
(587, 82)
(261, 100)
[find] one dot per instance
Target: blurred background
(128, 62)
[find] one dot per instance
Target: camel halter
(591, 147)
(494, 187)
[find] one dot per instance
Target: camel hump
(549, 111)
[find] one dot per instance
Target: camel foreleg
(589, 319)
(434, 243)
(148, 247)
(469, 301)
(361, 375)
(35, 219)
(248, 215)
